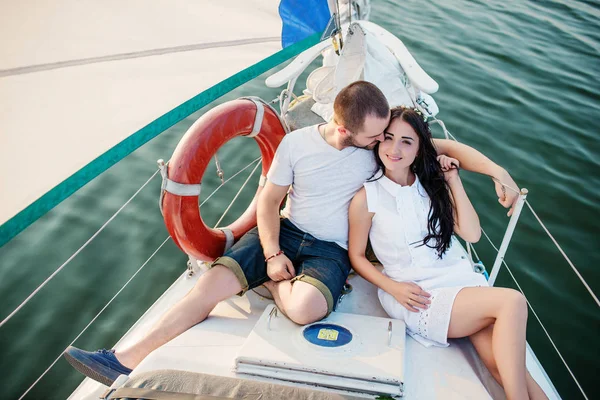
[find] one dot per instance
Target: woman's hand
(410, 295)
(506, 189)
(449, 166)
(280, 268)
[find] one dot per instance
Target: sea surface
(518, 81)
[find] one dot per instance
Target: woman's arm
(408, 294)
(466, 221)
(474, 161)
(360, 225)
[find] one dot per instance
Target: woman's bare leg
(478, 307)
(482, 341)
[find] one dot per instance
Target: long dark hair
(440, 223)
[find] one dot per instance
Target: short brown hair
(356, 101)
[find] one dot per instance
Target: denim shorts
(325, 265)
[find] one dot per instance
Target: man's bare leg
(301, 302)
(217, 284)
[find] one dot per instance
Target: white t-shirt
(323, 180)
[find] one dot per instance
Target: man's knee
(307, 304)
(305, 315)
(218, 283)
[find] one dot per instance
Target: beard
(350, 141)
(370, 146)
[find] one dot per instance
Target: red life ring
(181, 178)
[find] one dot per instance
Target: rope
(564, 255)
(5, 320)
(449, 135)
(227, 180)
(446, 131)
(134, 54)
(474, 251)
(31, 213)
(537, 318)
(96, 317)
(589, 289)
(237, 195)
(349, 12)
(506, 186)
(140, 268)
(337, 14)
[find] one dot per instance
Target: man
(302, 259)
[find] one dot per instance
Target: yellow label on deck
(328, 334)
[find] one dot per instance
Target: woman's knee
(516, 302)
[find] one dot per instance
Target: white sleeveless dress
(397, 231)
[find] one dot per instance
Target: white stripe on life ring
(258, 120)
(229, 239)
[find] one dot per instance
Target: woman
(410, 210)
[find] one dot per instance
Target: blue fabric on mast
(301, 19)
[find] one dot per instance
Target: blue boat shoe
(101, 365)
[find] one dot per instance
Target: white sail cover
(78, 77)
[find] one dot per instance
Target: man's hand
(508, 193)
(280, 268)
(410, 295)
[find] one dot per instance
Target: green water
(518, 80)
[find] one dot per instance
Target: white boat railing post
(194, 266)
(288, 98)
(507, 236)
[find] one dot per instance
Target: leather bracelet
(280, 252)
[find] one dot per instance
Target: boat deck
(455, 372)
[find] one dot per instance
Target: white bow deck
(211, 347)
